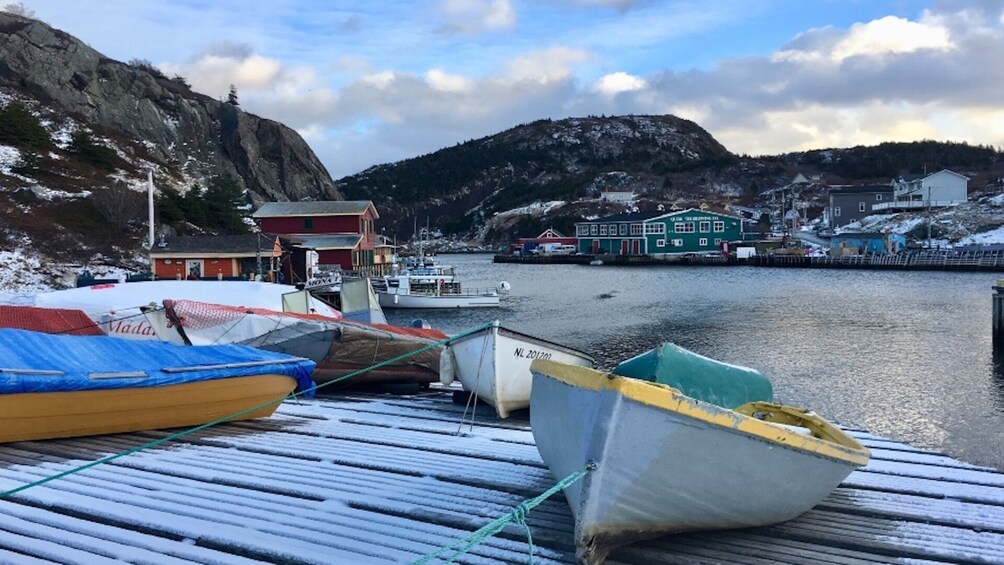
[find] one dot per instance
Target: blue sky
(373, 82)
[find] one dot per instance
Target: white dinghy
(667, 463)
(494, 364)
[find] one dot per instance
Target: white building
(618, 196)
(936, 190)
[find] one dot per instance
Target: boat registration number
(531, 354)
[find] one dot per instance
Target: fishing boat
(494, 365)
(338, 346)
(116, 307)
(667, 463)
(428, 290)
(54, 386)
(699, 377)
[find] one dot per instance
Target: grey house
(851, 203)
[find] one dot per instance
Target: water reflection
(997, 376)
(894, 353)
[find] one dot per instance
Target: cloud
(615, 83)
(888, 35)
(471, 17)
(546, 65)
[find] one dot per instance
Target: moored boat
(426, 291)
(494, 364)
(54, 386)
(338, 346)
(116, 306)
(667, 463)
(698, 377)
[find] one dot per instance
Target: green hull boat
(697, 376)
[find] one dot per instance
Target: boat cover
(38, 362)
(697, 376)
(48, 320)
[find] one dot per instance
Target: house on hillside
(851, 203)
(658, 233)
(339, 232)
(622, 196)
(214, 256)
(935, 190)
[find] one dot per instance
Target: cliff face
(168, 124)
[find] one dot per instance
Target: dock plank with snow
(363, 478)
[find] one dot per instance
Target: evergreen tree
(221, 199)
(28, 164)
(89, 151)
(193, 206)
(22, 129)
(232, 96)
(169, 206)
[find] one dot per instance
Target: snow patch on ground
(9, 156)
(534, 209)
(21, 275)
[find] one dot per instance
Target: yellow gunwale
(831, 442)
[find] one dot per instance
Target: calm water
(905, 355)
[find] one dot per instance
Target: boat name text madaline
(119, 327)
(530, 354)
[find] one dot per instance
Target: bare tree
(19, 9)
(118, 204)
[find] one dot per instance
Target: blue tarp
(39, 362)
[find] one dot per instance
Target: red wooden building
(213, 256)
(340, 232)
(526, 245)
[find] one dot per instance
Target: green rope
(293, 395)
(516, 516)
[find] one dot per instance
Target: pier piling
(999, 311)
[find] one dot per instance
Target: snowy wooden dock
(373, 479)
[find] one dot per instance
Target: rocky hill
(134, 119)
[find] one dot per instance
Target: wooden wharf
(365, 478)
(986, 261)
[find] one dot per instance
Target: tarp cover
(81, 360)
(697, 376)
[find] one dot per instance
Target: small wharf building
(213, 256)
(363, 478)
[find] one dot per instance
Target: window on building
(613, 229)
(719, 227)
(683, 227)
(581, 230)
(593, 229)
(836, 211)
(636, 229)
(660, 243)
(705, 227)
(703, 242)
(308, 224)
(677, 243)
(718, 241)
(878, 197)
(861, 206)
(603, 229)
(655, 228)
(624, 228)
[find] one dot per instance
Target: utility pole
(928, 216)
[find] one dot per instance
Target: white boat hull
(391, 300)
(665, 471)
(494, 364)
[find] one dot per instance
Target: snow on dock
(371, 479)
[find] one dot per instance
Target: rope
(290, 396)
(516, 516)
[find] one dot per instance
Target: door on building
(636, 247)
(624, 247)
(596, 246)
(194, 269)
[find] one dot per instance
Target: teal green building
(658, 233)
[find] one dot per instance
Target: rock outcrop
(179, 129)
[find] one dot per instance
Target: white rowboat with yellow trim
(667, 463)
(494, 364)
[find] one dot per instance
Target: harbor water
(905, 355)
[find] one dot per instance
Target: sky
(367, 83)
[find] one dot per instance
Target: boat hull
(419, 301)
(667, 463)
(494, 364)
(46, 415)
